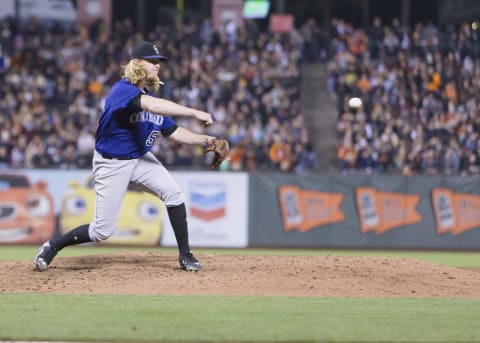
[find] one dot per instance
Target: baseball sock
(76, 236)
(178, 219)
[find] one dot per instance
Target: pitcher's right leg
(111, 181)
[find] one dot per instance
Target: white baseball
(355, 102)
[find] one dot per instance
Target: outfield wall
(367, 211)
(259, 210)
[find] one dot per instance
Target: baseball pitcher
(132, 120)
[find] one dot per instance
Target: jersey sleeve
(135, 103)
(168, 126)
(125, 93)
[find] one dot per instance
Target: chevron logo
(208, 201)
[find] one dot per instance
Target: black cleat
(44, 257)
(189, 263)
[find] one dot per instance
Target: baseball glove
(221, 148)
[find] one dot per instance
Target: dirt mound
(156, 273)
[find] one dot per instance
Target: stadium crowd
(419, 87)
(420, 93)
(53, 81)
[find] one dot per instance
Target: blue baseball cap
(146, 50)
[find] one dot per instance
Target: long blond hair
(135, 73)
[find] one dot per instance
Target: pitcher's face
(152, 66)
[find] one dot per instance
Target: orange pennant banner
(306, 209)
(383, 211)
(455, 212)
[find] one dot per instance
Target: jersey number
(152, 137)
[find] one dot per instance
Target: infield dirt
(237, 275)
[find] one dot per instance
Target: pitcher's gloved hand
(221, 148)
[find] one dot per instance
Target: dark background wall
(359, 12)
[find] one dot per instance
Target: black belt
(118, 157)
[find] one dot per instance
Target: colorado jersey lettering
(124, 129)
(146, 116)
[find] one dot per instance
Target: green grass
(216, 318)
(449, 258)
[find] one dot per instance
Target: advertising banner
(217, 206)
(455, 212)
(35, 205)
(226, 10)
(283, 23)
(31, 202)
(364, 211)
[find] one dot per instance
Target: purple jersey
(124, 129)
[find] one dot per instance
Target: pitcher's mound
(157, 273)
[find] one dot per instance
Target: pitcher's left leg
(150, 173)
